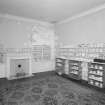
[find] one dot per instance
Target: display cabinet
(60, 66)
(46, 52)
(75, 69)
(37, 52)
(96, 74)
(41, 52)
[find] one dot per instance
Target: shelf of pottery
(89, 53)
(60, 65)
(96, 74)
(41, 52)
(72, 68)
(38, 52)
(85, 53)
(75, 69)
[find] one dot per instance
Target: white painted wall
(2, 71)
(15, 32)
(42, 66)
(86, 29)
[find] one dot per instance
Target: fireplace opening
(19, 66)
(20, 71)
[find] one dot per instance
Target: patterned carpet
(48, 90)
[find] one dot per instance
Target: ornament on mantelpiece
(39, 29)
(32, 39)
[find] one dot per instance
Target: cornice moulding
(24, 19)
(88, 12)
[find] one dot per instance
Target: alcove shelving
(41, 52)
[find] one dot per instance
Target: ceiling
(47, 10)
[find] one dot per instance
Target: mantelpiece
(18, 59)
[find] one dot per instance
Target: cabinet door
(60, 66)
(85, 71)
(66, 67)
(75, 69)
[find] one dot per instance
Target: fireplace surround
(18, 66)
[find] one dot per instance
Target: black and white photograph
(52, 52)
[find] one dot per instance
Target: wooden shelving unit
(96, 74)
(87, 53)
(60, 66)
(37, 52)
(46, 52)
(75, 69)
(41, 52)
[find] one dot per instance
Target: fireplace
(18, 67)
(20, 71)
